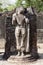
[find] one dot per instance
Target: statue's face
(29, 9)
(19, 10)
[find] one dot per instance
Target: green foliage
(10, 7)
(1, 9)
(38, 4)
(5, 9)
(18, 3)
(0, 4)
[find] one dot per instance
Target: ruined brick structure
(10, 37)
(33, 36)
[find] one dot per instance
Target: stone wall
(2, 27)
(39, 25)
(39, 29)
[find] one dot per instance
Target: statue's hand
(27, 20)
(18, 47)
(13, 18)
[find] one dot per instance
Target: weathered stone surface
(10, 37)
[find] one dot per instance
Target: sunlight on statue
(20, 29)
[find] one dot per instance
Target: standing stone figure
(20, 29)
(33, 33)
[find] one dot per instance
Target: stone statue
(25, 32)
(20, 29)
(33, 33)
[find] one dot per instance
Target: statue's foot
(18, 54)
(22, 54)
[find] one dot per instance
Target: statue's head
(29, 10)
(20, 10)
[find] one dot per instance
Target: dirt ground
(38, 62)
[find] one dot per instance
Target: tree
(18, 3)
(1, 9)
(38, 4)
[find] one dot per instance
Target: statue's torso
(20, 20)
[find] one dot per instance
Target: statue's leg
(28, 33)
(17, 31)
(22, 41)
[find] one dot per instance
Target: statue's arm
(26, 20)
(13, 19)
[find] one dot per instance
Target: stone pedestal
(19, 59)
